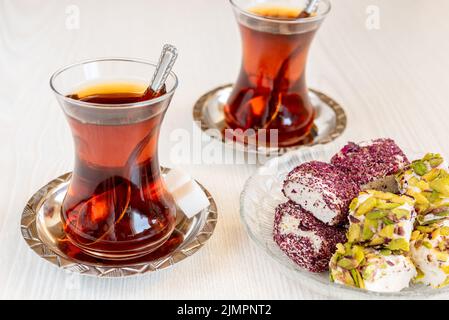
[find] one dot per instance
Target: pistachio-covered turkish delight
(429, 251)
(370, 269)
(381, 219)
(427, 180)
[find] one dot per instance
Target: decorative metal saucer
(330, 121)
(42, 230)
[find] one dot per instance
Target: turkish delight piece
(427, 180)
(322, 189)
(429, 251)
(304, 239)
(382, 219)
(372, 164)
(370, 269)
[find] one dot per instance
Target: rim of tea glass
(107, 105)
(286, 21)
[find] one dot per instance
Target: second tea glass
(271, 91)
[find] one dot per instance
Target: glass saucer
(330, 120)
(42, 230)
(261, 195)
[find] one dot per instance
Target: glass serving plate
(261, 195)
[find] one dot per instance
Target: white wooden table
(393, 81)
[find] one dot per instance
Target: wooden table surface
(392, 79)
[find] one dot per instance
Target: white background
(392, 82)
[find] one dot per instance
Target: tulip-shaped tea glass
(271, 91)
(116, 206)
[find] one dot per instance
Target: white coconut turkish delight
(370, 269)
(322, 189)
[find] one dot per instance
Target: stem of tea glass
(274, 103)
(166, 61)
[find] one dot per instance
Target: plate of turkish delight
(363, 219)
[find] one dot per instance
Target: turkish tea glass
(117, 206)
(271, 91)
